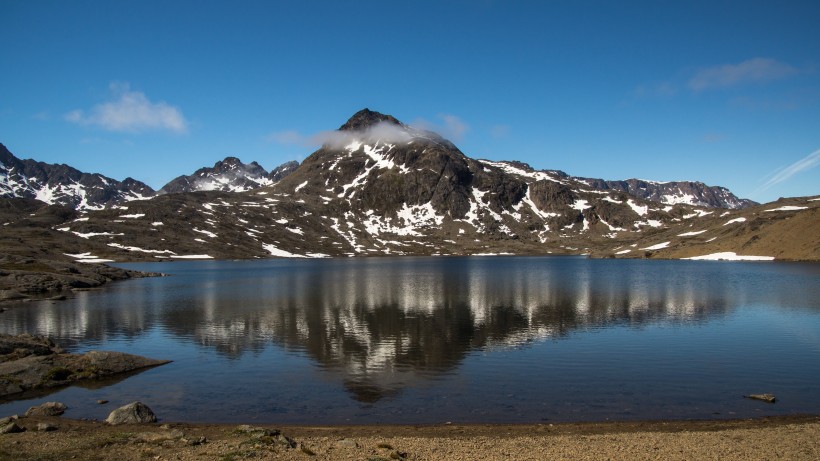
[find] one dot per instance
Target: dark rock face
(366, 118)
(283, 171)
(64, 185)
(133, 413)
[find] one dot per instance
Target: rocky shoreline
(29, 363)
(26, 278)
(51, 437)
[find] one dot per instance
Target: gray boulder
(47, 409)
(133, 413)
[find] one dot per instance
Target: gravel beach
(791, 438)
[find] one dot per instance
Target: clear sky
(725, 92)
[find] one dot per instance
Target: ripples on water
(500, 339)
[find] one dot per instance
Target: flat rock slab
(46, 371)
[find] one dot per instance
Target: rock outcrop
(37, 363)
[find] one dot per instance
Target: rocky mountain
(64, 185)
(229, 175)
(379, 187)
(672, 192)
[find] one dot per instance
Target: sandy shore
(791, 438)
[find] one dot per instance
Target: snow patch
(640, 210)
(657, 246)
(732, 221)
(689, 234)
(787, 208)
(279, 253)
(730, 256)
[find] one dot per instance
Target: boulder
(133, 413)
(770, 398)
(47, 409)
(11, 428)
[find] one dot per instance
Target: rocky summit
(380, 187)
(229, 175)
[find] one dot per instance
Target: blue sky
(723, 92)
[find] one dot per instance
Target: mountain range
(380, 187)
(64, 185)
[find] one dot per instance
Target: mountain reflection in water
(382, 324)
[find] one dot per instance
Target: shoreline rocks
(34, 362)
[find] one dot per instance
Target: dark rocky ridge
(64, 185)
(691, 192)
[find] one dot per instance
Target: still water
(431, 340)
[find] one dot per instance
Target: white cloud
(286, 137)
(131, 111)
(755, 70)
(499, 131)
(452, 127)
(385, 132)
(806, 163)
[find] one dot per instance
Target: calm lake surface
(431, 340)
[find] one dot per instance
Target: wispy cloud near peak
(131, 111)
(757, 70)
(806, 163)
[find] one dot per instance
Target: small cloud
(385, 132)
(43, 116)
(757, 70)
(131, 111)
(656, 90)
(452, 127)
(286, 137)
(499, 131)
(806, 163)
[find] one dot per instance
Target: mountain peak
(366, 118)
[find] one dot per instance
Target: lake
(502, 339)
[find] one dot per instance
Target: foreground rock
(32, 362)
(47, 409)
(133, 413)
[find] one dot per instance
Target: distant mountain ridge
(62, 184)
(59, 184)
(229, 175)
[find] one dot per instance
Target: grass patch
(57, 374)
